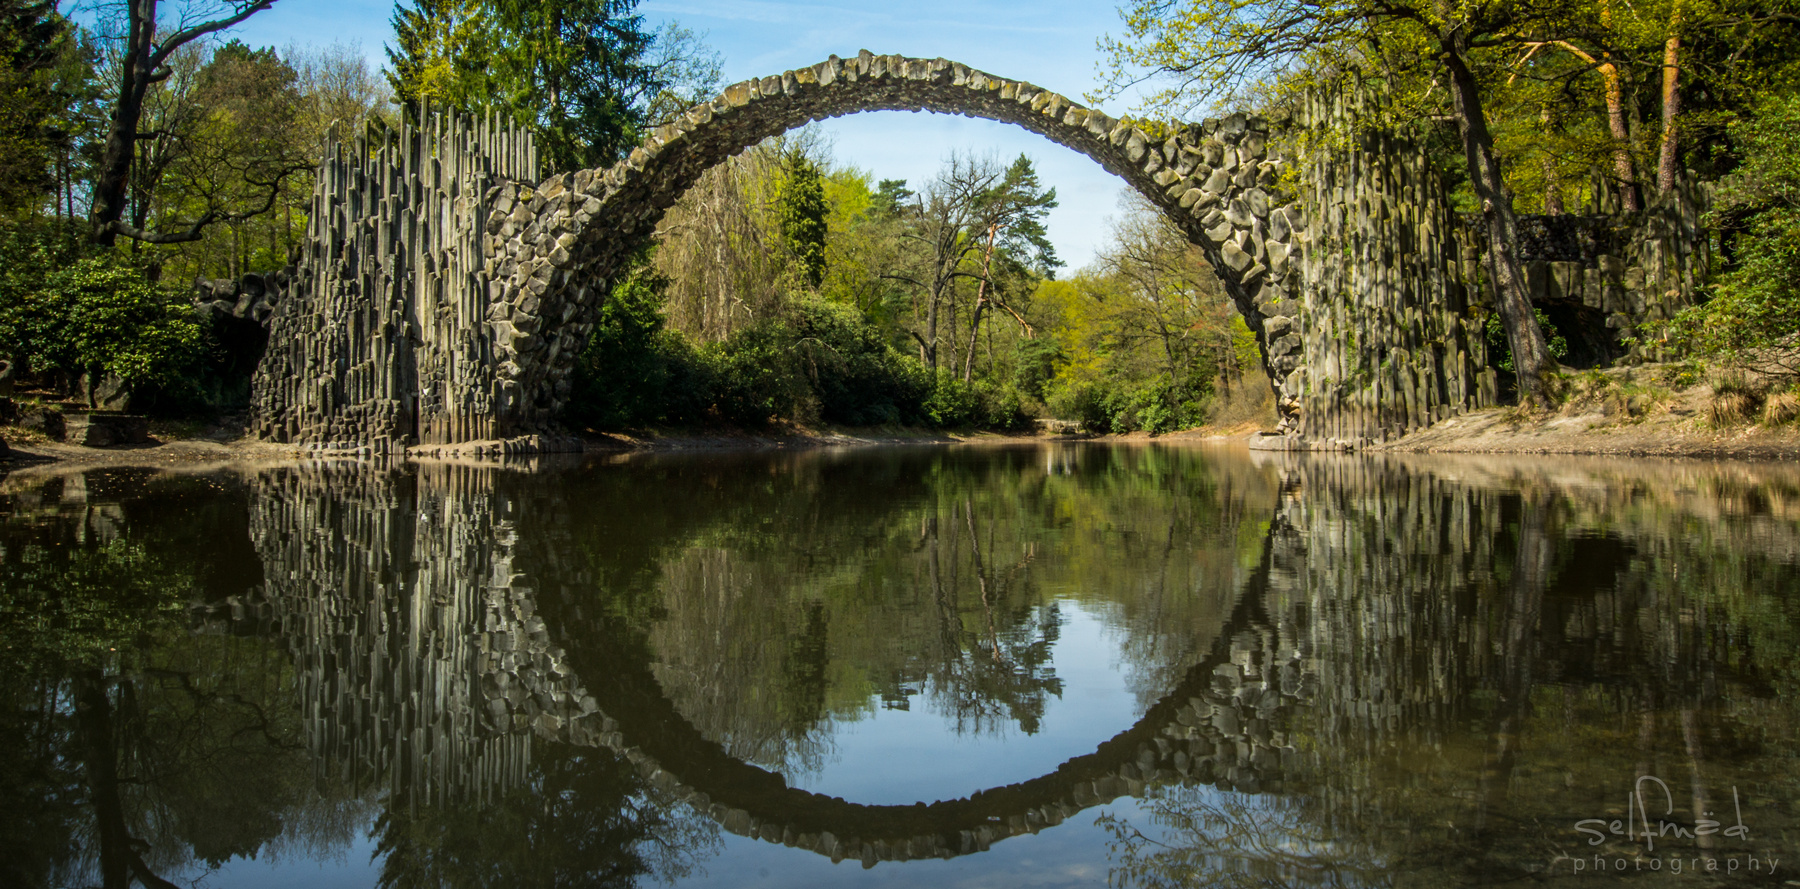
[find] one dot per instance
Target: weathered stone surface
(107, 430)
(47, 421)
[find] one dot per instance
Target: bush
(633, 372)
(1155, 405)
(1753, 316)
(856, 378)
(62, 313)
(1500, 350)
(817, 361)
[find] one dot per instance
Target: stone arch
(444, 292)
(550, 247)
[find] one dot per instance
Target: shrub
(1753, 315)
(1500, 350)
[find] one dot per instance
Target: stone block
(46, 421)
(108, 430)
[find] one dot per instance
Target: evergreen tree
(801, 210)
(32, 38)
(583, 75)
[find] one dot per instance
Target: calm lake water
(1055, 665)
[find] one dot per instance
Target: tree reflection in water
(1427, 671)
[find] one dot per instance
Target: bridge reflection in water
(1349, 670)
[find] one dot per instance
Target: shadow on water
(1345, 670)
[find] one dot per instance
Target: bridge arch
(444, 292)
(551, 247)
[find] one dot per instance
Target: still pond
(1051, 665)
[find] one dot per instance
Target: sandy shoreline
(1674, 431)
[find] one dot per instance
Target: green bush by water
(817, 361)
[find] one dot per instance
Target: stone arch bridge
(446, 290)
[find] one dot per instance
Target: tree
(99, 316)
(143, 62)
(1210, 47)
(32, 40)
(234, 153)
(1013, 212)
(584, 76)
(801, 211)
(1754, 313)
(960, 214)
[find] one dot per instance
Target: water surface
(1057, 665)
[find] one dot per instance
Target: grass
(1621, 393)
(22, 435)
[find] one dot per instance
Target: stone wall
(385, 342)
(1608, 275)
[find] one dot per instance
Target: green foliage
(852, 372)
(800, 209)
(61, 311)
(954, 404)
(73, 603)
(1018, 205)
(1754, 313)
(1501, 351)
(1034, 365)
(1154, 405)
(101, 315)
(584, 76)
(634, 372)
(818, 361)
(33, 101)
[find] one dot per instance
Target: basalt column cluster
(384, 341)
(1385, 338)
(395, 595)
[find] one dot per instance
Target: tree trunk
(138, 68)
(100, 762)
(1531, 356)
(1553, 202)
(987, 268)
(1668, 166)
(114, 174)
(1623, 164)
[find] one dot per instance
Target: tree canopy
(587, 77)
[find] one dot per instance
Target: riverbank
(1680, 426)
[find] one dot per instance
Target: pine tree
(32, 37)
(579, 74)
(801, 210)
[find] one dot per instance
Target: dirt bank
(1676, 425)
(1683, 425)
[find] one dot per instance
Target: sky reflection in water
(1162, 665)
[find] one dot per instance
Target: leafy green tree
(99, 315)
(584, 76)
(1754, 314)
(145, 50)
(227, 145)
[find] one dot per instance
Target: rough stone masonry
(447, 291)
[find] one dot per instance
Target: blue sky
(1052, 44)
